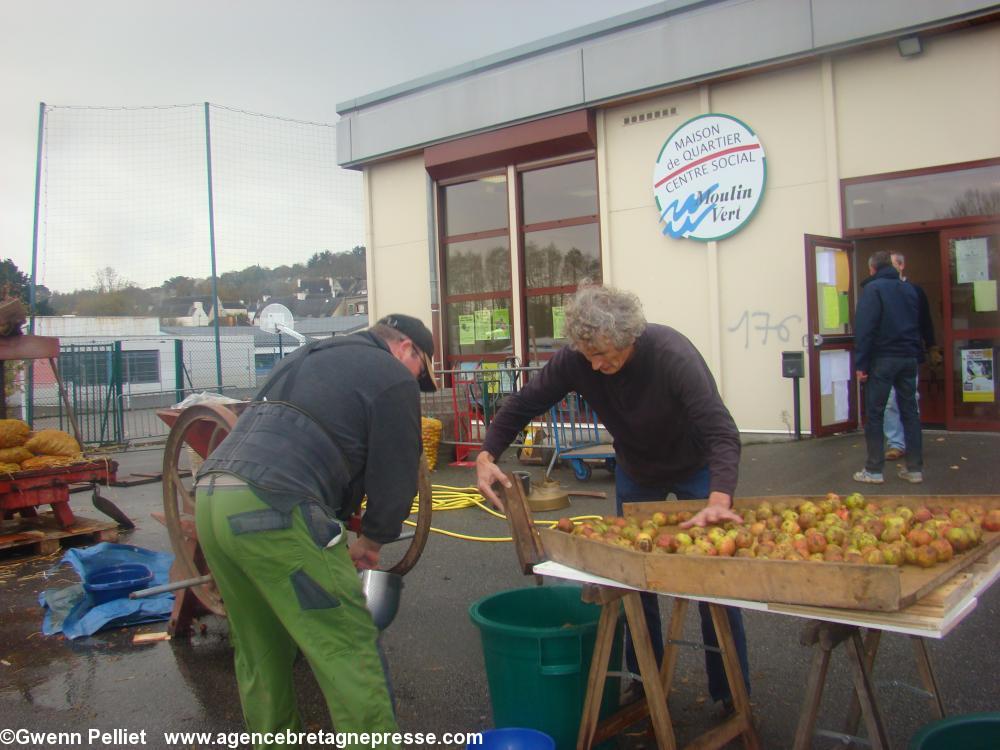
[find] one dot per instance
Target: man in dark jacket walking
(887, 348)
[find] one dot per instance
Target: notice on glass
(484, 324)
(984, 296)
(834, 367)
(831, 306)
(826, 267)
(466, 330)
(971, 260)
(845, 308)
(558, 322)
(501, 324)
(841, 401)
(843, 272)
(977, 375)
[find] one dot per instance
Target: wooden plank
(43, 533)
(29, 347)
(523, 532)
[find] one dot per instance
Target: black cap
(417, 332)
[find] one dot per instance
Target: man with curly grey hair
(672, 434)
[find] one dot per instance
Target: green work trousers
(285, 591)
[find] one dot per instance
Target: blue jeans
(894, 437)
(694, 487)
(885, 374)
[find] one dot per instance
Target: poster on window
(466, 330)
(484, 324)
(977, 375)
(501, 324)
(558, 322)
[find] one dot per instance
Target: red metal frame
(841, 342)
(23, 491)
(951, 421)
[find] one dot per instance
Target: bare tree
(110, 281)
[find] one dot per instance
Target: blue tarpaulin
(72, 610)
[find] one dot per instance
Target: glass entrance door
(833, 393)
(970, 264)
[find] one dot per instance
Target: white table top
(888, 621)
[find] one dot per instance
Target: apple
(726, 547)
(926, 556)
(660, 519)
(644, 542)
(666, 543)
(565, 524)
(991, 521)
(943, 549)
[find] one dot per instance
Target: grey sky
(289, 58)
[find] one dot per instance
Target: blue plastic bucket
(514, 738)
(117, 581)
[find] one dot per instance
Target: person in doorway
(894, 438)
(887, 348)
(338, 419)
(672, 433)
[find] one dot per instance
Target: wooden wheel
(203, 427)
(425, 502)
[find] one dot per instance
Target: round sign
(709, 178)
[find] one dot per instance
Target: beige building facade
(884, 137)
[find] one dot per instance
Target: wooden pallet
(42, 534)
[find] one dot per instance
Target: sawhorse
(826, 636)
(657, 681)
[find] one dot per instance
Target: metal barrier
(470, 397)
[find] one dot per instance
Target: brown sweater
(662, 409)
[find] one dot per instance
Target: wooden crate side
(617, 563)
(827, 584)
(918, 582)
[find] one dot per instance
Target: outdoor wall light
(909, 46)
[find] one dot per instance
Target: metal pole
(178, 370)
(118, 371)
(29, 395)
(795, 406)
(211, 239)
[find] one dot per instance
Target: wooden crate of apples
(860, 552)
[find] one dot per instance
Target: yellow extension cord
(457, 498)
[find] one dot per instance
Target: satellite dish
(276, 318)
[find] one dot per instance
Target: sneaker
(894, 454)
(913, 477)
(868, 477)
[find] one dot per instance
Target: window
(477, 267)
(263, 363)
(86, 368)
(561, 241)
(929, 197)
(141, 366)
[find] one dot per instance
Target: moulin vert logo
(709, 178)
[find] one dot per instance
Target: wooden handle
(527, 543)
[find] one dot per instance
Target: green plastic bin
(966, 732)
(537, 644)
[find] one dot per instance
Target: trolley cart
(577, 438)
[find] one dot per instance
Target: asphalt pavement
(49, 684)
